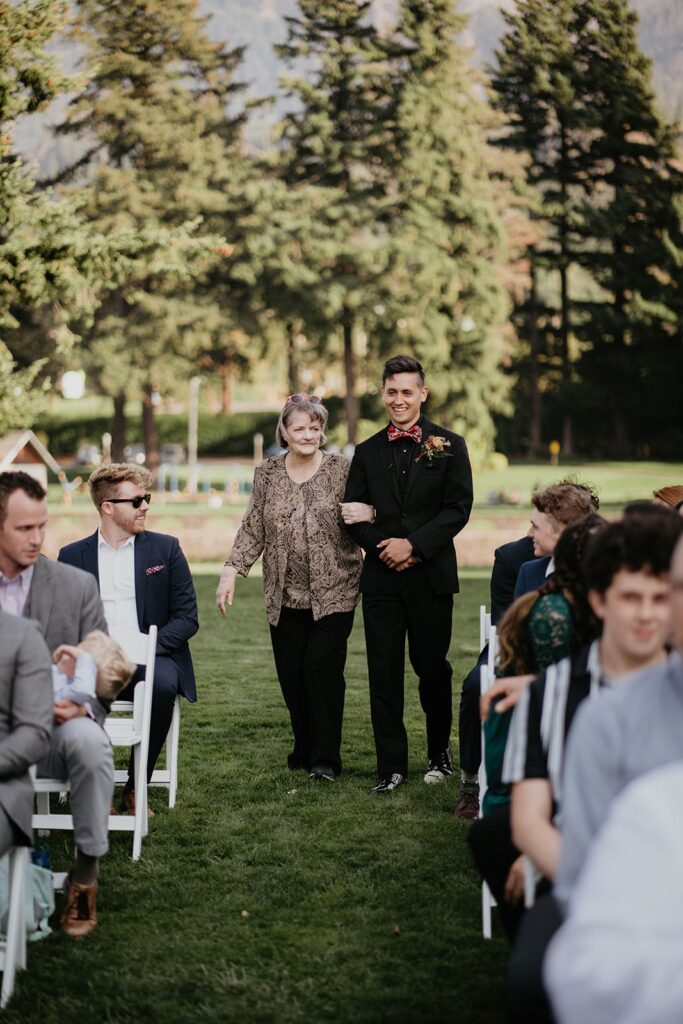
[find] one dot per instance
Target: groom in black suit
(417, 476)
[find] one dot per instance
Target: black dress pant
(415, 611)
(469, 725)
(494, 853)
(310, 657)
(527, 1002)
(164, 691)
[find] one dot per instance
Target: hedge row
(218, 435)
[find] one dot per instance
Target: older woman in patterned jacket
(311, 571)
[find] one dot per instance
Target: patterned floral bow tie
(415, 433)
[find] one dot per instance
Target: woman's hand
(356, 512)
(226, 588)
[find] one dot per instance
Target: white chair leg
(486, 903)
(140, 806)
(172, 744)
(15, 946)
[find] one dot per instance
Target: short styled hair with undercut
(636, 543)
(105, 481)
(402, 364)
(17, 480)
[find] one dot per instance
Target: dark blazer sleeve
(531, 576)
(365, 535)
(183, 621)
(456, 507)
(507, 562)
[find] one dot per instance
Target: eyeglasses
(136, 502)
(295, 399)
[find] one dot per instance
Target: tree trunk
(293, 330)
(350, 399)
(118, 429)
(226, 375)
(149, 432)
(536, 402)
(565, 327)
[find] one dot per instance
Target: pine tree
(536, 85)
(160, 148)
(339, 136)
(632, 225)
(445, 289)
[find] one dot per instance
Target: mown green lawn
(264, 897)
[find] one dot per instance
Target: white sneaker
(439, 768)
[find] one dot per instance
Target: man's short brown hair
(566, 501)
(17, 480)
(105, 481)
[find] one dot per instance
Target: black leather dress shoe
(389, 783)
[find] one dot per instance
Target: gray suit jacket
(25, 714)
(65, 603)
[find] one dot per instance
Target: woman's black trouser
(310, 657)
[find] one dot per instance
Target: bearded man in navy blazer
(418, 478)
(144, 580)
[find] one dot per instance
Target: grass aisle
(264, 897)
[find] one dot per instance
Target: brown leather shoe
(467, 807)
(128, 803)
(79, 915)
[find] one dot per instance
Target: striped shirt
(543, 717)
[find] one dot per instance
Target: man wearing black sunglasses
(144, 580)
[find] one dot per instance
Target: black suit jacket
(164, 594)
(507, 562)
(434, 508)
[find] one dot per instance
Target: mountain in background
(258, 24)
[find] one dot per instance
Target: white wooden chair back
(127, 726)
(13, 949)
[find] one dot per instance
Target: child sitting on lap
(97, 667)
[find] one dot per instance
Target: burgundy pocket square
(154, 568)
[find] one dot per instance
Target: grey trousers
(80, 751)
(8, 834)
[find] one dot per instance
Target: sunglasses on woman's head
(304, 398)
(136, 502)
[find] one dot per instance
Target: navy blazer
(531, 576)
(434, 508)
(164, 594)
(507, 562)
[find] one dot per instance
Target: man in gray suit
(65, 603)
(25, 723)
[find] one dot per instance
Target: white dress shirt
(116, 567)
(618, 956)
(14, 592)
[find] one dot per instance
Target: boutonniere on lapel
(434, 448)
(154, 568)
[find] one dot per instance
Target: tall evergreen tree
(445, 289)
(339, 136)
(535, 85)
(160, 145)
(631, 223)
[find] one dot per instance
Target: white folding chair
(127, 726)
(13, 949)
(487, 677)
(165, 777)
(484, 626)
